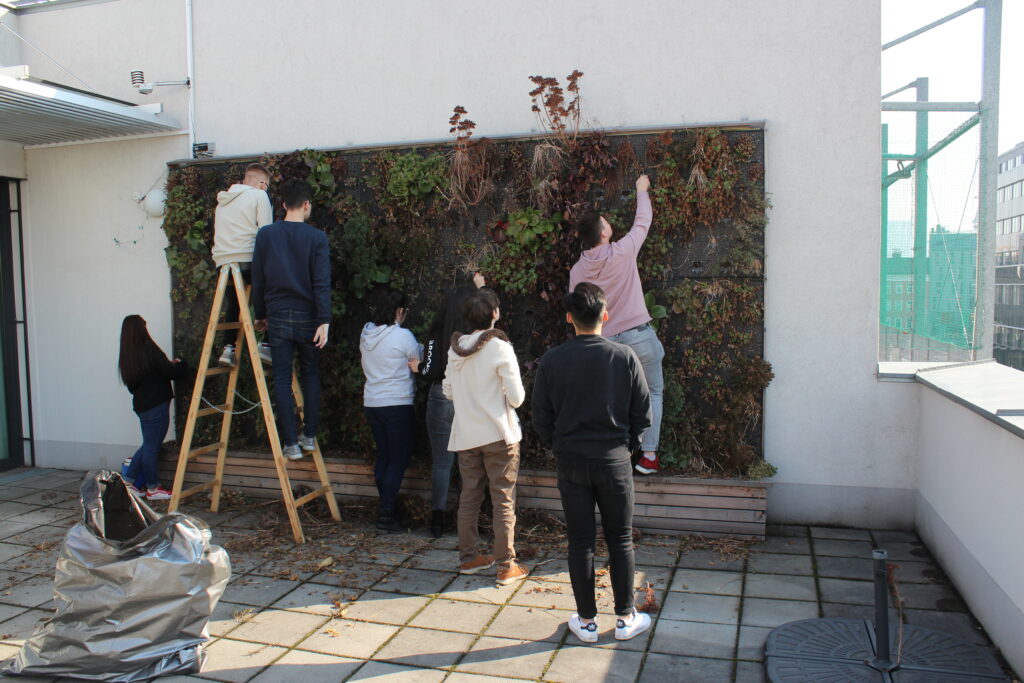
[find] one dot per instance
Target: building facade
(1008, 344)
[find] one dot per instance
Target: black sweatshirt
(590, 400)
(291, 268)
(154, 387)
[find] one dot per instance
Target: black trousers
(584, 484)
(233, 310)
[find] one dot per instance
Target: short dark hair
(383, 301)
(480, 307)
(257, 168)
(585, 304)
(295, 193)
(588, 229)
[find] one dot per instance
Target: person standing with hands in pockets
(291, 296)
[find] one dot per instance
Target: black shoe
(437, 524)
(387, 524)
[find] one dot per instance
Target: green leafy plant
(528, 224)
(654, 309)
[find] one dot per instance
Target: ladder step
(209, 448)
(311, 495)
(218, 370)
(197, 489)
(229, 326)
(203, 412)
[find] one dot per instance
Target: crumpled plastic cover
(134, 592)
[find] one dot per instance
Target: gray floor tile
(545, 594)
(919, 572)
(847, 591)
(278, 627)
(385, 672)
(309, 667)
(786, 530)
(424, 647)
(414, 581)
(503, 656)
(14, 631)
(839, 548)
(845, 568)
(708, 559)
(706, 581)
(660, 668)
(883, 536)
(257, 590)
(10, 551)
(356, 575)
(694, 639)
(656, 554)
(791, 545)
(750, 672)
(440, 559)
(714, 609)
(931, 596)
(10, 509)
(842, 611)
(780, 586)
(456, 615)
(582, 663)
(772, 613)
(9, 530)
(530, 623)
(778, 563)
(840, 534)
(478, 588)
(386, 608)
(36, 534)
(236, 661)
(348, 638)
(912, 552)
(955, 623)
(313, 598)
(751, 642)
(32, 592)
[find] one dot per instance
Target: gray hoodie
(386, 350)
(241, 211)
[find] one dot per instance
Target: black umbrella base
(834, 650)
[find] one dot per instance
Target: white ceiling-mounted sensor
(139, 81)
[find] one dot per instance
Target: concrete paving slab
(790, 545)
(912, 552)
(227, 616)
(545, 594)
(840, 534)
(36, 533)
(772, 613)
(45, 515)
(955, 623)
(582, 663)
(884, 536)
(530, 623)
(478, 588)
(48, 497)
(455, 615)
(707, 581)
(847, 591)
(786, 530)
(781, 586)
(10, 530)
(425, 647)
(659, 668)
(694, 639)
(498, 656)
(842, 611)
(279, 627)
(846, 568)
(656, 554)
(257, 590)
(414, 581)
(16, 630)
(386, 608)
(348, 638)
(750, 672)
(237, 661)
(10, 509)
(919, 572)
(32, 592)
(439, 559)
(356, 575)
(313, 598)
(751, 643)
(713, 609)
(931, 596)
(385, 672)
(778, 563)
(14, 492)
(708, 559)
(308, 667)
(11, 550)
(839, 548)
(9, 612)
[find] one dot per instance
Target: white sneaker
(264, 350)
(307, 443)
(292, 452)
(227, 357)
(585, 632)
(640, 622)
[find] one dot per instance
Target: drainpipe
(191, 78)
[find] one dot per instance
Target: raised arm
(634, 239)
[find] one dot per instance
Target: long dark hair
(139, 353)
(449, 318)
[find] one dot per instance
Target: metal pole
(920, 318)
(883, 660)
(984, 319)
(884, 291)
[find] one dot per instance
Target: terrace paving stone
(694, 639)
(707, 581)
(257, 590)
(907, 552)
(32, 592)
(658, 577)
(751, 643)
(313, 598)
(531, 623)
(750, 672)
(779, 563)
(278, 627)
(780, 586)
(389, 559)
(475, 678)
(545, 594)
(12, 508)
(9, 612)
(45, 515)
(237, 661)
(656, 554)
(50, 498)
(386, 608)
(14, 492)
(15, 631)
(455, 615)
(840, 534)
(772, 613)
(846, 568)
(582, 663)
(11, 550)
(33, 562)
(425, 647)
(9, 530)
(884, 536)
(930, 596)
(438, 559)
(414, 581)
(227, 616)
(353, 576)
(308, 667)
(478, 588)
(919, 572)
(384, 672)
(790, 545)
(348, 638)
(847, 591)
(713, 609)
(843, 611)
(839, 548)
(708, 559)
(497, 656)
(556, 569)
(786, 530)
(36, 534)
(660, 668)
(955, 623)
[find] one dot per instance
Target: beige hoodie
(241, 211)
(482, 378)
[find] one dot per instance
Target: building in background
(1008, 344)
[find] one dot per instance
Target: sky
(950, 56)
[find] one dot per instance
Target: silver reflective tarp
(134, 591)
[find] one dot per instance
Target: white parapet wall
(969, 505)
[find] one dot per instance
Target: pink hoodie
(612, 267)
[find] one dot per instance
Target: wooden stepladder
(246, 340)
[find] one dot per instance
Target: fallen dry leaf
(324, 563)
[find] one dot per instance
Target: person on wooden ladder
(241, 211)
(291, 297)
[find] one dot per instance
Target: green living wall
(419, 217)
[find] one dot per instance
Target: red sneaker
(158, 493)
(648, 464)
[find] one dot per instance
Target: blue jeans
(648, 349)
(142, 473)
(291, 333)
(394, 430)
(440, 413)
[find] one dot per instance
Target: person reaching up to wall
(440, 411)
(241, 211)
(591, 406)
(388, 395)
(147, 373)
(483, 380)
(612, 267)
(291, 297)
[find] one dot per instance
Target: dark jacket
(291, 268)
(590, 400)
(154, 387)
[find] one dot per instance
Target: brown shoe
(477, 564)
(516, 572)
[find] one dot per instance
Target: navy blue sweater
(291, 268)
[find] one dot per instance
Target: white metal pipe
(190, 76)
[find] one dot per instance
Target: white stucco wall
(12, 160)
(332, 74)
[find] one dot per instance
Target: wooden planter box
(663, 505)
